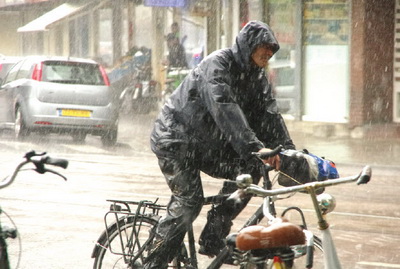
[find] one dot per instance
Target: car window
(72, 73)
(25, 70)
(4, 67)
(12, 74)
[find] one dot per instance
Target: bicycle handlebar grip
(56, 162)
(268, 154)
(365, 175)
(310, 257)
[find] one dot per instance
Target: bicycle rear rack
(132, 213)
(125, 207)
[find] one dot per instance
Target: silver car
(59, 95)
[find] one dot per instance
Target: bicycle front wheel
(123, 242)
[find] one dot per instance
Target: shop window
(326, 22)
(326, 60)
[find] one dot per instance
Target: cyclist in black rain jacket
(221, 113)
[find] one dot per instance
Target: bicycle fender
(273, 236)
(100, 242)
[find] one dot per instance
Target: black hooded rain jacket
(224, 108)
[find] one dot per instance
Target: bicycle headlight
(326, 202)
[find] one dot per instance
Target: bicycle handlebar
(268, 154)
(39, 166)
(63, 163)
(362, 178)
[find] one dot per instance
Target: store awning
(55, 15)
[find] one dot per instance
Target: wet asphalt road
(59, 221)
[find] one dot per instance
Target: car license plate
(75, 113)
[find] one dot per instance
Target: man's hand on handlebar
(273, 161)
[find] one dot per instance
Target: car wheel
(79, 137)
(109, 138)
(21, 131)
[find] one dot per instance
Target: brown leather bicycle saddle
(278, 234)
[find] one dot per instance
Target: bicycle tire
(106, 259)
(298, 262)
(11, 247)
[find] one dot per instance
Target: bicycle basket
(300, 167)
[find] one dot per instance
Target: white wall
(10, 44)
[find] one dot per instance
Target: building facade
(338, 64)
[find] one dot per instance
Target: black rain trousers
(182, 174)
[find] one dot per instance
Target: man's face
(261, 56)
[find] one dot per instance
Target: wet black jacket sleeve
(216, 92)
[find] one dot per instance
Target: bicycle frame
(267, 209)
(135, 251)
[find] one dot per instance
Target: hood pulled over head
(254, 33)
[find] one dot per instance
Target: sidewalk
(353, 151)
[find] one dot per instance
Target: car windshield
(72, 73)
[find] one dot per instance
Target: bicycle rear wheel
(134, 241)
(124, 237)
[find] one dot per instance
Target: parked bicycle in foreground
(131, 225)
(39, 160)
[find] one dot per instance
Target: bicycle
(130, 230)
(39, 160)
